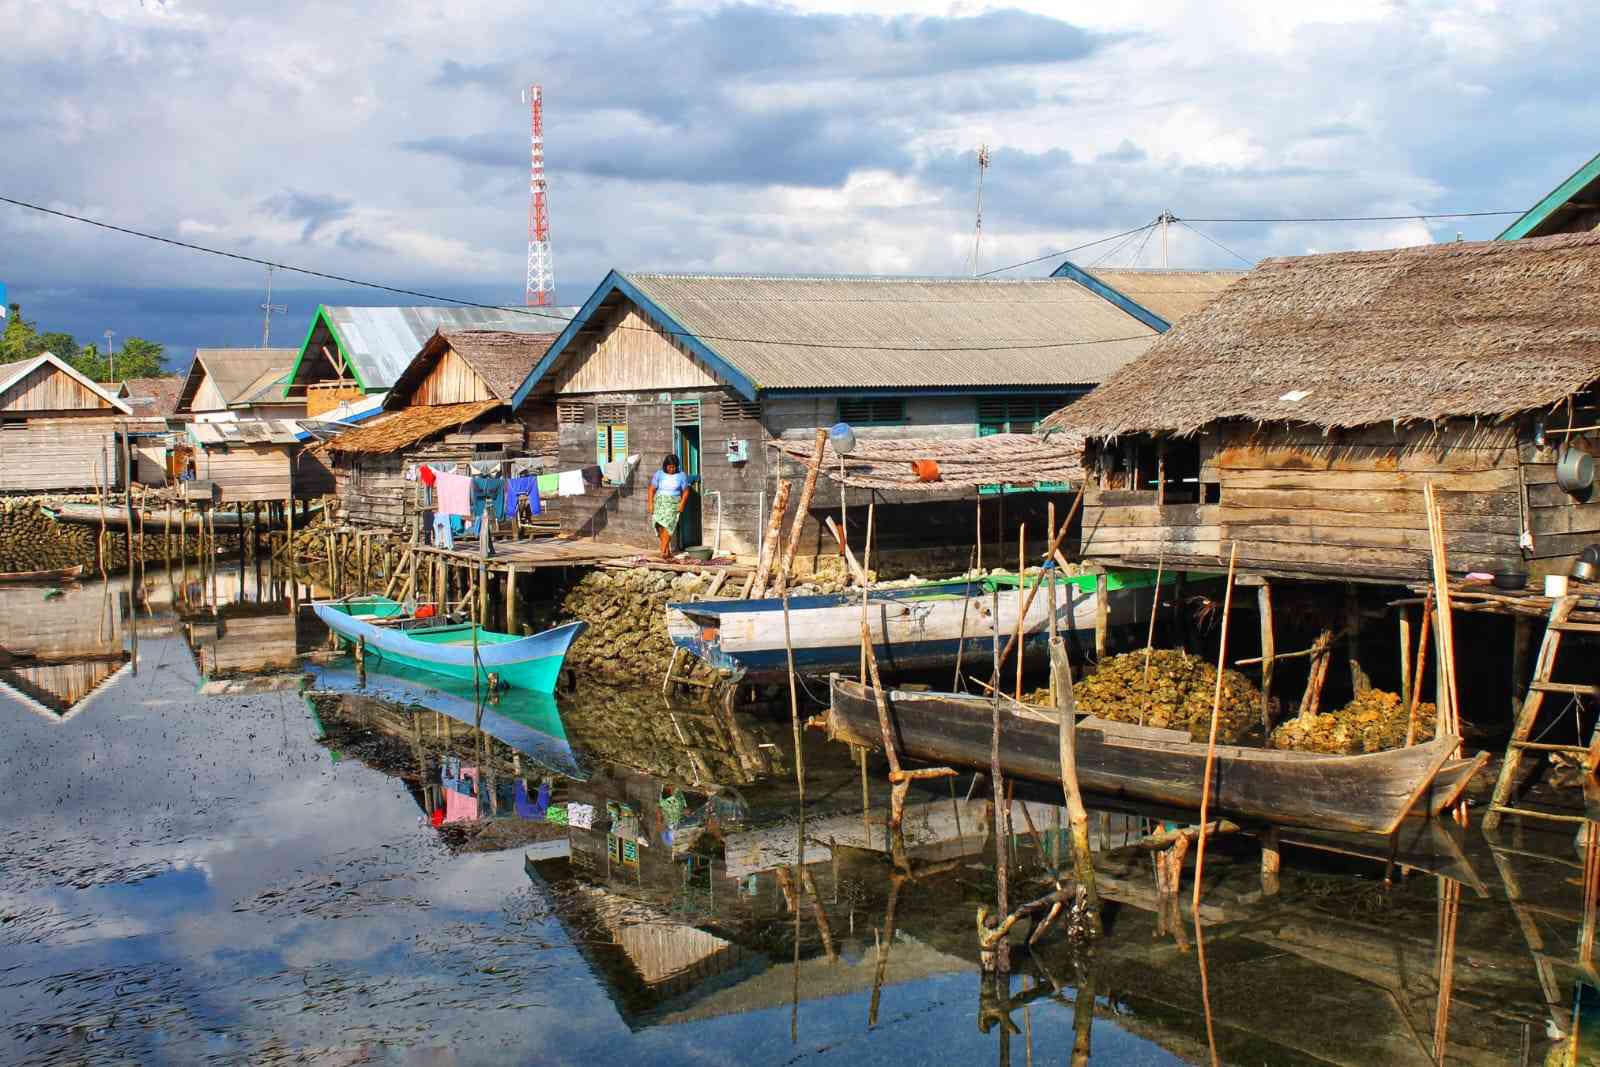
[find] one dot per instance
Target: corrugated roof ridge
(823, 277)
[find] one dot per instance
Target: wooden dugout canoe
(60, 574)
(1366, 793)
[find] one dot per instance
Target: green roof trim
(294, 371)
(1537, 215)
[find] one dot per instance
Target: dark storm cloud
(316, 211)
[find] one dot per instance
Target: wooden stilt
(1321, 653)
(1077, 814)
(1211, 743)
(1403, 615)
(808, 490)
(1002, 810)
(769, 541)
(1102, 615)
(1269, 650)
(1271, 861)
(1022, 564)
(513, 625)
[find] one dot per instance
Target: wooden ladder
(1558, 624)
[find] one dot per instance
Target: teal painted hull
(538, 675)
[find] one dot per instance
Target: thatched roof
(964, 463)
(1483, 329)
(501, 360)
(403, 428)
(153, 396)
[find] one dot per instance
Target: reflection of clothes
(459, 807)
(441, 531)
(557, 814)
(672, 808)
(592, 475)
(529, 808)
(425, 472)
(570, 483)
(550, 485)
(580, 815)
(455, 493)
(518, 486)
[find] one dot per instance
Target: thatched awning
(403, 428)
(1476, 330)
(1015, 459)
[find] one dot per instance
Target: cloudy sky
(388, 141)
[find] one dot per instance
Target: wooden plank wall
(630, 352)
(1563, 525)
(207, 397)
(48, 388)
(246, 473)
(40, 455)
(1351, 500)
(451, 381)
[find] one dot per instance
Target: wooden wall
(1348, 503)
(40, 455)
(327, 396)
(629, 353)
(245, 473)
(207, 397)
(451, 381)
(48, 388)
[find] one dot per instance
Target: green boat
(455, 650)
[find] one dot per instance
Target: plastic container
(1555, 585)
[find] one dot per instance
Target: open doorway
(688, 447)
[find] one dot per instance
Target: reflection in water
(255, 876)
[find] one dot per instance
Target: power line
(1219, 244)
(549, 315)
(1378, 218)
(1065, 251)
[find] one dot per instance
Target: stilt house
(451, 404)
(714, 368)
(1301, 414)
(58, 429)
(225, 383)
(352, 352)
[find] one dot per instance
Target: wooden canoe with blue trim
(914, 627)
(521, 662)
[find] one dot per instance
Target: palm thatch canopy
(402, 429)
(1015, 459)
(1481, 330)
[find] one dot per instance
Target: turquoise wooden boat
(532, 663)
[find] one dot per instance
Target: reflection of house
(450, 405)
(714, 367)
(58, 429)
(1301, 414)
(238, 383)
(55, 654)
(351, 352)
(245, 638)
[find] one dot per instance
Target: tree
(21, 338)
(137, 358)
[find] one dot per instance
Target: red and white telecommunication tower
(541, 284)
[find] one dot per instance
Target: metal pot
(1584, 571)
(1575, 470)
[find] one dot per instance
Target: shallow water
(197, 873)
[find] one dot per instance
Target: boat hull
(532, 663)
(1365, 793)
(912, 629)
(60, 574)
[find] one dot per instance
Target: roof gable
(829, 334)
(1156, 297)
(1482, 329)
(239, 375)
(496, 360)
(13, 375)
(1546, 217)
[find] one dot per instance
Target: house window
(740, 410)
(1017, 414)
(569, 413)
(873, 410)
(611, 433)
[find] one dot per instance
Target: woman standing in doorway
(669, 491)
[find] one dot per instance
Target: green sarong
(665, 513)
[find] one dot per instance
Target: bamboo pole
(1211, 743)
(769, 542)
(1002, 812)
(1403, 617)
(1150, 636)
(808, 490)
(1447, 699)
(1057, 536)
(1077, 814)
(794, 703)
(1269, 650)
(1022, 562)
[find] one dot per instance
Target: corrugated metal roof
(1172, 294)
(798, 332)
(235, 370)
(381, 341)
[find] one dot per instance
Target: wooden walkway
(559, 552)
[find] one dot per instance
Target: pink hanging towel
(458, 807)
(455, 494)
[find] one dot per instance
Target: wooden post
(1321, 653)
(1269, 652)
(1521, 647)
(1002, 810)
(1102, 615)
(238, 518)
(166, 536)
(183, 529)
(512, 625)
(1404, 615)
(808, 489)
(1359, 681)
(769, 541)
(1077, 814)
(1447, 697)
(441, 583)
(1271, 860)
(483, 594)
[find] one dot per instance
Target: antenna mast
(541, 281)
(977, 233)
(266, 312)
